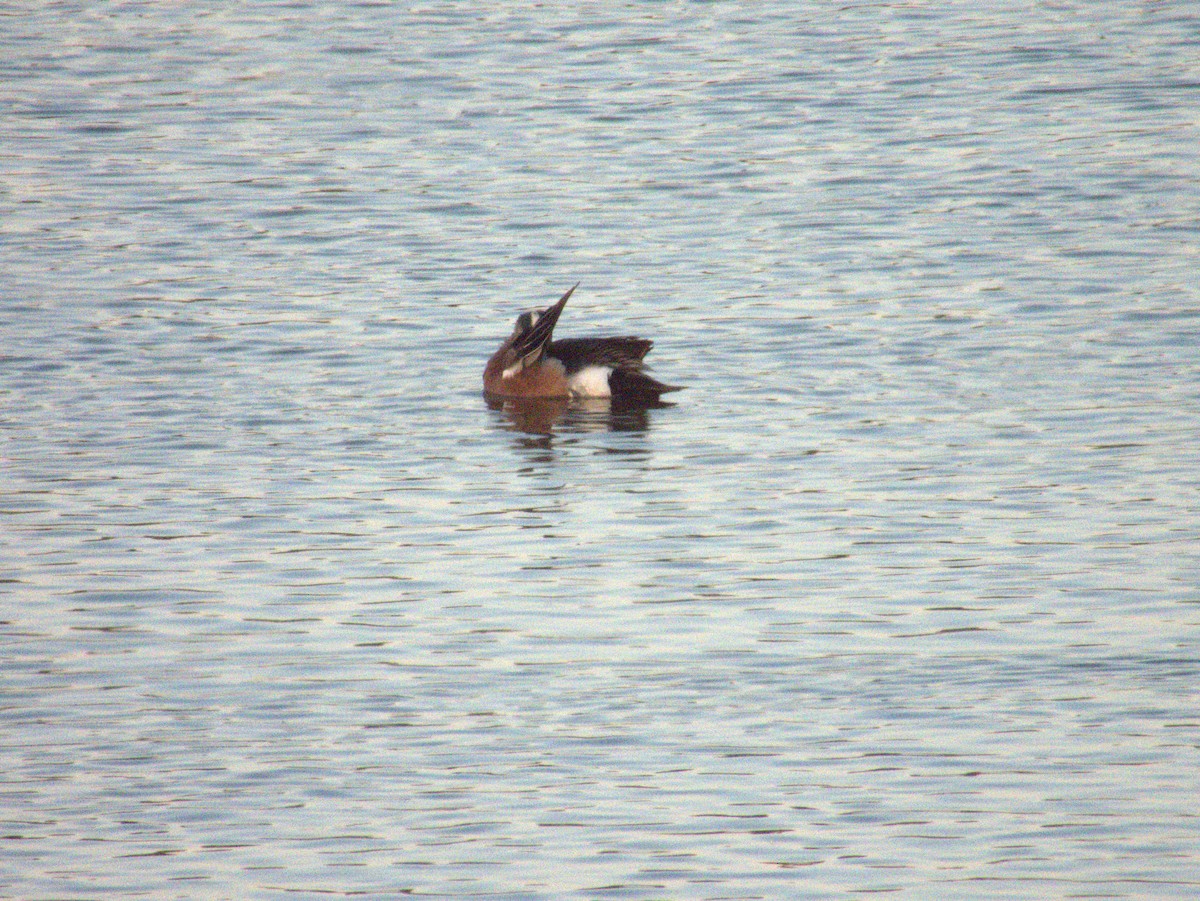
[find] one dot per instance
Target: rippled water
(902, 595)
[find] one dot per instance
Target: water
(901, 596)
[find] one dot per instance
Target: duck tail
(634, 385)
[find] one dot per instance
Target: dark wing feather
(620, 353)
(530, 345)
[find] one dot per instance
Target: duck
(530, 364)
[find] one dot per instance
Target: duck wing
(619, 353)
(530, 345)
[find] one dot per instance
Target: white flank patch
(591, 381)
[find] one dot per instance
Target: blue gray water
(901, 596)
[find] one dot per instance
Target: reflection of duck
(545, 415)
(530, 365)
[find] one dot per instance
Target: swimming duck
(530, 364)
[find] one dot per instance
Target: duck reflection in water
(531, 365)
(543, 415)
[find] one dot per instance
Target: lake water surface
(902, 594)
